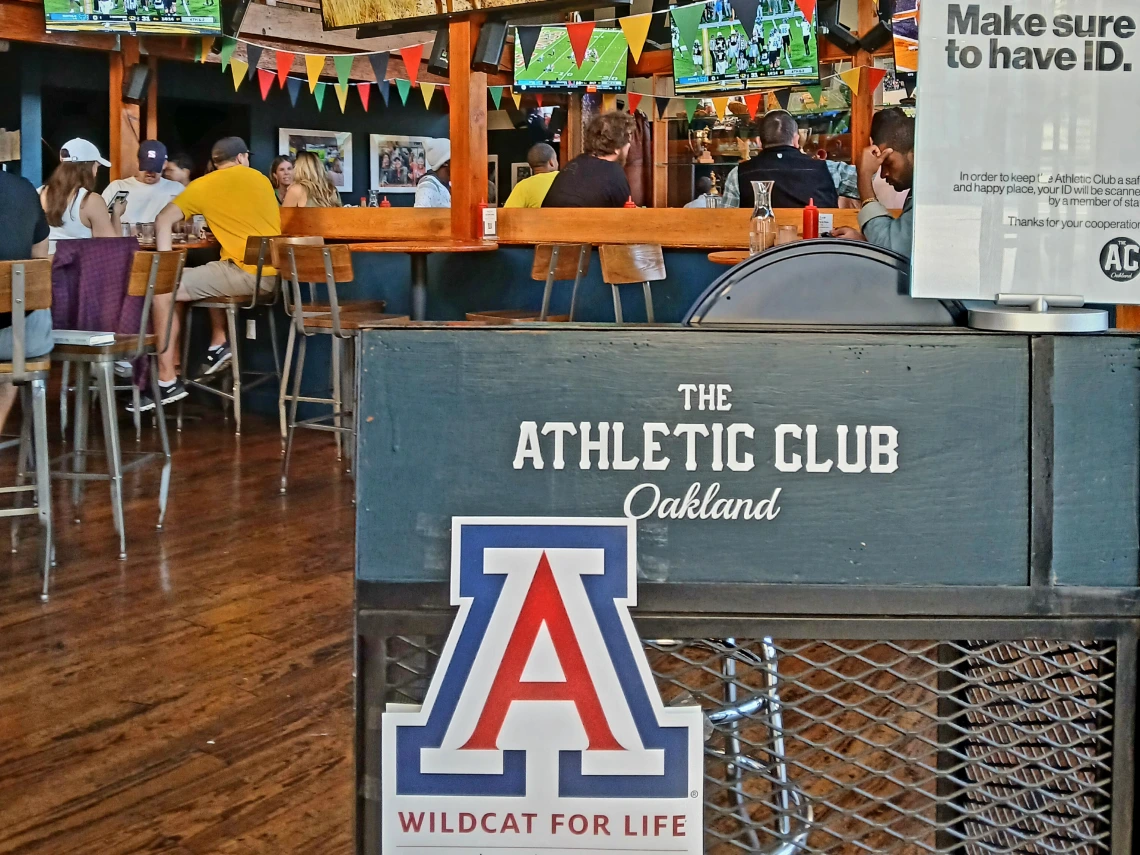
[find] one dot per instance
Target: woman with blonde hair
(311, 187)
(72, 207)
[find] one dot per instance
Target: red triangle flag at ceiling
(364, 90)
(752, 102)
(411, 56)
(807, 7)
(538, 99)
(632, 99)
(264, 81)
(580, 39)
(284, 66)
(447, 93)
(875, 77)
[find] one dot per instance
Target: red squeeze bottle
(811, 220)
(363, 202)
(384, 203)
(629, 203)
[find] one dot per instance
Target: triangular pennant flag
(204, 46)
(816, 93)
(517, 98)
(253, 57)
(314, 65)
(721, 107)
(385, 88)
(875, 77)
(807, 7)
(319, 95)
(343, 65)
(579, 35)
(746, 14)
(284, 61)
(447, 94)
(752, 102)
(662, 106)
(783, 97)
(364, 90)
(227, 51)
(379, 63)
(238, 68)
(293, 84)
(687, 19)
(691, 105)
(342, 95)
(636, 28)
(404, 88)
(497, 96)
(264, 81)
(411, 56)
(527, 38)
(851, 78)
(632, 99)
(427, 90)
(538, 98)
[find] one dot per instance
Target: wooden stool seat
(30, 366)
(264, 298)
(375, 306)
(354, 320)
(123, 345)
(494, 317)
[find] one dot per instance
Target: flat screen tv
(156, 17)
(781, 50)
(904, 23)
(552, 67)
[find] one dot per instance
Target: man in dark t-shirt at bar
(595, 179)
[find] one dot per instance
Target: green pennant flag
(319, 95)
(496, 95)
(691, 105)
(816, 93)
(687, 19)
(198, 51)
(405, 86)
(343, 64)
(229, 45)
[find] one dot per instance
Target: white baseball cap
(81, 151)
(437, 153)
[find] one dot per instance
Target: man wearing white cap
(434, 189)
(147, 192)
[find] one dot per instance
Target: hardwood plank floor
(197, 697)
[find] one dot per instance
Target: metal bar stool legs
(104, 375)
(293, 401)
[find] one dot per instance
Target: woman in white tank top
(73, 210)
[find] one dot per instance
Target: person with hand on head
(595, 178)
(147, 192)
(531, 191)
(281, 176)
(73, 209)
(892, 153)
(434, 189)
(312, 187)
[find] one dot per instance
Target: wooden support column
(662, 86)
(863, 104)
(124, 154)
(152, 99)
(468, 132)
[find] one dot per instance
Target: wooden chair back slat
(632, 263)
(567, 267)
(310, 263)
(37, 284)
(279, 259)
(166, 280)
(253, 250)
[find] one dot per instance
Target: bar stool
(332, 266)
(632, 264)
(25, 286)
(553, 262)
(152, 274)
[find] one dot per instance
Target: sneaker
(123, 368)
(174, 392)
(217, 358)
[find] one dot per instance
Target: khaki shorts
(218, 279)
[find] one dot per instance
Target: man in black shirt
(796, 178)
(23, 235)
(595, 179)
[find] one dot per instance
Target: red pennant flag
(264, 81)
(447, 94)
(875, 76)
(752, 102)
(284, 66)
(411, 56)
(580, 39)
(807, 7)
(538, 99)
(364, 90)
(632, 99)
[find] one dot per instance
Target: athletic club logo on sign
(542, 729)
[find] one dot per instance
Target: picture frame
(519, 171)
(493, 180)
(334, 148)
(396, 162)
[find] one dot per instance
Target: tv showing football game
(155, 17)
(905, 27)
(781, 50)
(552, 67)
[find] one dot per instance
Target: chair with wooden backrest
(153, 274)
(559, 263)
(25, 286)
(332, 267)
(632, 264)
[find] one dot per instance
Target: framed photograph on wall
(493, 180)
(519, 171)
(396, 163)
(334, 148)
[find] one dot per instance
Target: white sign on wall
(1027, 162)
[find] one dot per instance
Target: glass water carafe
(762, 226)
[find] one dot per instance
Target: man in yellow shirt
(237, 202)
(530, 192)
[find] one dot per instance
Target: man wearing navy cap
(147, 191)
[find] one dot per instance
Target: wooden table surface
(190, 244)
(729, 257)
(425, 246)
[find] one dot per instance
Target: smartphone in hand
(121, 196)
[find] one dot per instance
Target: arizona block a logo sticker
(542, 730)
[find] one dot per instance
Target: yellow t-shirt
(530, 192)
(237, 202)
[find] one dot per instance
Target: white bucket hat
(80, 150)
(437, 153)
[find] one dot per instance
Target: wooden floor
(197, 697)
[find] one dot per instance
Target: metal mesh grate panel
(884, 746)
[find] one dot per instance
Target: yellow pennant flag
(636, 28)
(314, 65)
(851, 78)
(721, 106)
(427, 90)
(517, 96)
(207, 43)
(342, 95)
(238, 68)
